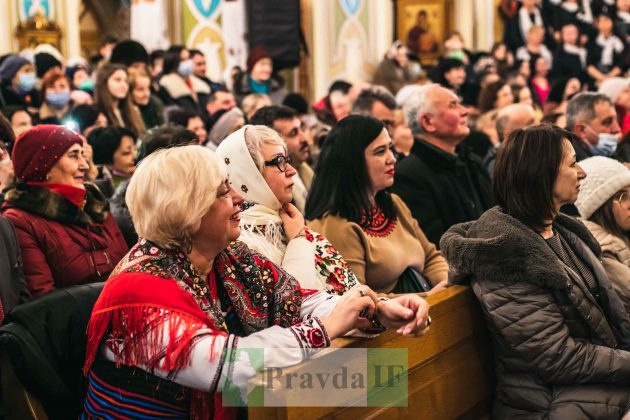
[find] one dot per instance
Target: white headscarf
(261, 226)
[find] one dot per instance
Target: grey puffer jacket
(559, 354)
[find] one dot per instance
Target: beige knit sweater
(378, 261)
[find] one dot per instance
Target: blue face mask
(185, 68)
(58, 99)
(87, 84)
(26, 81)
(606, 145)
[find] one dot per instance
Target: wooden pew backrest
(450, 368)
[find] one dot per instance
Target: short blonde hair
(258, 135)
(171, 191)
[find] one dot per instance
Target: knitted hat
(613, 87)
(44, 62)
(38, 149)
(255, 55)
(128, 52)
(604, 177)
(9, 68)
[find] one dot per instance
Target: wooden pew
(450, 368)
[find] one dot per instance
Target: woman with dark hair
(606, 52)
(604, 204)
(560, 332)
(178, 85)
(374, 230)
(560, 93)
(20, 119)
(157, 138)
(113, 99)
(495, 96)
(502, 57)
(64, 228)
(114, 150)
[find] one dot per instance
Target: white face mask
(606, 145)
(185, 68)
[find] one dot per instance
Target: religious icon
(423, 25)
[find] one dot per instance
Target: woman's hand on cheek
(292, 220)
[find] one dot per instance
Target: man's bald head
(513, 117)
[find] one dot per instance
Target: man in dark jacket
(441, 183)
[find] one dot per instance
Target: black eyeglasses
(279, 162)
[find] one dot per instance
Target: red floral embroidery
(311, 334)
(316, 337)
(330, 264)
(379, 226)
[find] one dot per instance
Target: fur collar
(177, 88)
(499, 246)
(49, 205)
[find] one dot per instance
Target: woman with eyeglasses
(604, 204)
(259, 168)
(374, 230)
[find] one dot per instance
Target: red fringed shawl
(151, 282)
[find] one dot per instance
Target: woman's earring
(188, 245)
(48, 177)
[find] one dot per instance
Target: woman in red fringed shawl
(163, 334)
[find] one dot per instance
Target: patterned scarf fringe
(126, 323)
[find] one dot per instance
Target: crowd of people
(225, 215)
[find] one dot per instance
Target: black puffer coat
(559, 353)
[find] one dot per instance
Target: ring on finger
(361, 292)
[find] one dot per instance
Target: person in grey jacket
(560, 334)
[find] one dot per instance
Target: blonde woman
(150, 106)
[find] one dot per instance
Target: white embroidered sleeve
(299, 261)
(236, 360)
